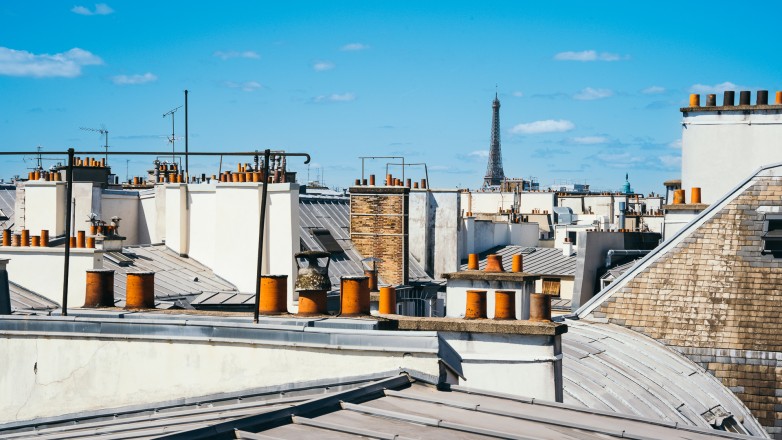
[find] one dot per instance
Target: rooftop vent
(326, 240)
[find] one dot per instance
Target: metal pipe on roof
(623, 253)
(68, 197)
(266, 154)
(5, 292)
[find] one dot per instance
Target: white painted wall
(445, 206)
(721, 149)
(202, 202)
(77, 374)
(147, 220)
(676, 220)
(522, 365)
(600, 205)
(41, 270)
(480, 235)
(125, 206)
(178, 218)
(486, 202)
(87, 200)
(456, 296)
(45, 207)
(544, 201)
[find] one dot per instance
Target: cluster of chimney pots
(504, 300)
(392, 181)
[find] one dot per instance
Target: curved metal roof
(608, 367)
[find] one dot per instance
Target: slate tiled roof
(537, 261)
(333, 214)
(175, 277)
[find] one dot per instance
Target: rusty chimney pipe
(387, 304)
(504, 304)
(778, 100)
(695, 100)
(476, 305)
(16, 240)
(744, 97)
(25, 238)
(472, 262)
(371, 275)
(352, 292)
(6, 237)
(100, 288)
(695, 195)
(371, 180)
(762, 97)
(80, 239)
(72, 241)
(415, 185)
(90, 242)
(711, 100)
(539, 307)
(274, 295)
(423, 183)
(494, 263)
(45, 237)
(35, 241)
(358, 182)
(678, 197)
(518, 263)
(140, 290)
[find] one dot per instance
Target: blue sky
(589, 90)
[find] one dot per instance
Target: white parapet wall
(41, 269)
(45, 207)
(125, 205)
(57, 370)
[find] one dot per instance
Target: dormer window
(772, 235)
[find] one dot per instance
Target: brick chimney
(379, 228)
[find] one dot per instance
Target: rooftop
(537, 261)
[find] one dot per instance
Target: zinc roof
(537, 261)
(7, 202)
(608, 367)
(176, 277)
(333, 213)
(25, 299)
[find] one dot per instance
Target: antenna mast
(105, 134)
(173, 138)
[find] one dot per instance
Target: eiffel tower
(494, 173)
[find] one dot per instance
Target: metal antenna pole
(187, 161)
(266, 155)
(68, 197)
(173, 137)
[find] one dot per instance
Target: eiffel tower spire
(494, 174)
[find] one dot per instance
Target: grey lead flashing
(224, 332)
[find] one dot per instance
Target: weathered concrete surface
(514, 327)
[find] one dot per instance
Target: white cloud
(620, 160)
(481, 154)
(321, 66)
(227, 55)
(133, 79)
(546, 126)
(353, 47)
(335, 97)
(247, 86)
(653, 90)
(67, 64)
(100, 9)
(590, 94)
(589, 140)
(589, 55)
(676, 144)
(716, 88)
(518, 94)
(671, 161)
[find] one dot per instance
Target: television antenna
(172, 139)
(103, 132)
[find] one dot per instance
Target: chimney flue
(371, 180)
(472, 262)
(100, 288)
(762, 97)
(539, 307)
(476, 305)
(494, 263)
(387, 304)
(695, 100)
(744, 97)
(140, 290)
(778, 100)
(504, 304)
(711, 100)
(274, 295)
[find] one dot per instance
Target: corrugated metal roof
(7, 204)
(537, 261)
(397, 406)
(25, 299)
(333, 213)
(175, 277)
(608, 367)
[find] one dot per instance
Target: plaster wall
(456, 296)
(591, 249)
(420, 235)
(178, 218)
(126, 207)
(77, 374)
(720, 149)
(87, 200)
(522, 365)
(147, 219)
(600, 205)
(445, 206)
(41, 270)
(674, 221)
(544, 201)
(486, 202)
(45, 207)
(202, 202)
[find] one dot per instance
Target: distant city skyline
(589, 92)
